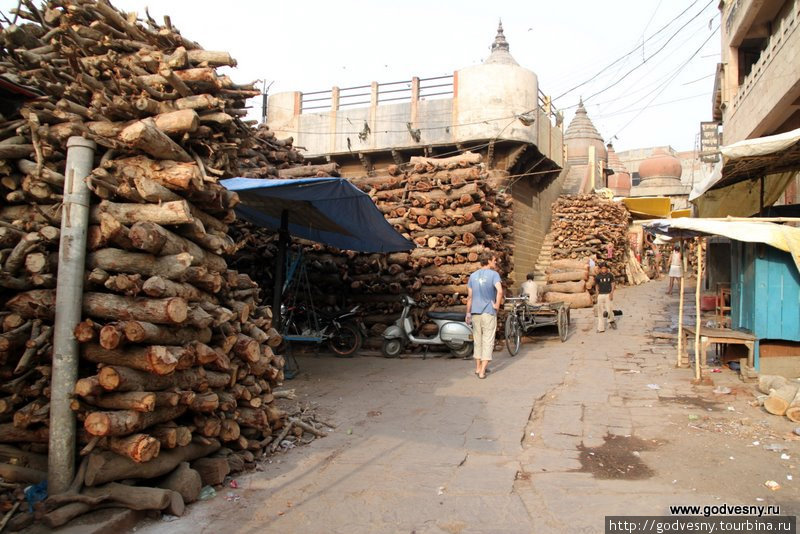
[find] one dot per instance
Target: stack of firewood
(450, 207)
(569, 281)
(586, 225)
(176, 351)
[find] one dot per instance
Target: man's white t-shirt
(531, 290)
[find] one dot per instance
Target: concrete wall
(768, 96)
(533, 209)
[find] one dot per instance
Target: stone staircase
(545, 258)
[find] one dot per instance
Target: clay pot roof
(661, 164)
(500, 54)
(581, 126)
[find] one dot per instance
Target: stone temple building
(620, 181)
(585, 153)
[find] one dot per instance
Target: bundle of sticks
(450, 207)
(586, 225)
(176, 351)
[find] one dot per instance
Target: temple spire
(500, 53)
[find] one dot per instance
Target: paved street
(552, 441)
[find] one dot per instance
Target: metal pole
(697, 354)
(680, 311)
(283, 243)
(69, 298)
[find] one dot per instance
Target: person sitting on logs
(530, 289)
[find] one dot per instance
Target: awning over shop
(327, 210)
(735, 186)
(782, 237)
(648, 207)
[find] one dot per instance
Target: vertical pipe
(69, 298)
(277, 294)
(680, 312)
(697, 354)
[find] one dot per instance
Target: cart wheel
(563, 325)
(513, 335)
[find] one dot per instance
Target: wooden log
(766, 383)
(177, 122)
(325, 169)
(570, 276)
(11, 434)
(566, 287)
(575, 300)
(185, 481)
(153, 238)
(210, 58)
(160, 287)
(14, 456)
(569, 265)
(779, 399)
(88, 387)
(133, 497)
(111, 335)
(119, 378)
(144, 332)
(173, 310)
(124, 422)
(212, 470)
(16, 473)
(138, 401)
(157, 359)
(793, 411)
(145, 136)
(174, 212)
(106, 467)
(138, 447)
(115, 260)
(173, 175)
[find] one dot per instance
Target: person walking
(604, 282)
(484, 298)
(675, 268)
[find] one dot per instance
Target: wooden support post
(697, 355)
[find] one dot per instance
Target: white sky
(313, 45)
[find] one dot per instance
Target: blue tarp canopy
(327, 210)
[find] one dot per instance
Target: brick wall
(533, 200)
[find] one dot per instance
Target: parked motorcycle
(343, 331)
(454, 332)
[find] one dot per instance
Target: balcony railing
(782, 29)
(363, 95)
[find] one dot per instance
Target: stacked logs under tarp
(177, 360)
(452, 208)
(585, 225)
(569, 281)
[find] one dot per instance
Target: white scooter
(454, 332)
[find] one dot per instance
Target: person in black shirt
(604, 283)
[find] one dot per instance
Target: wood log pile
(783, 396)
(177, 353)
(584, 225)
(569, 281)
(450, 207)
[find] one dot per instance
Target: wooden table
(716, 335)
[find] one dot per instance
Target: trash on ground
(653, 386)
(771, 484)
(234, 484)
(785, 456)
(207, 493)
(775, 447)
(722, 390)
(693, 417)
(169, 518)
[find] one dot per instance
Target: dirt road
(552, 441)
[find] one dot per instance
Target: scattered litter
(759, 499)
(797, 430)
(636, 453)
(722, 390)
(532, 434)
(349, 431)
(35, 493)
(207, 493)
(756, 443)
(441, 490)
(775, 447)
(631, 372)
(234, 484)
(771, 484)
(716, 370)
(693, 417)
(788, 477)
(169, 518)
(653, 386)
(731, 409)
(785, 456)
(731, 458)
(675, 481)
(232, 497)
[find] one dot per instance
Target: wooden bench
(716, 335)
